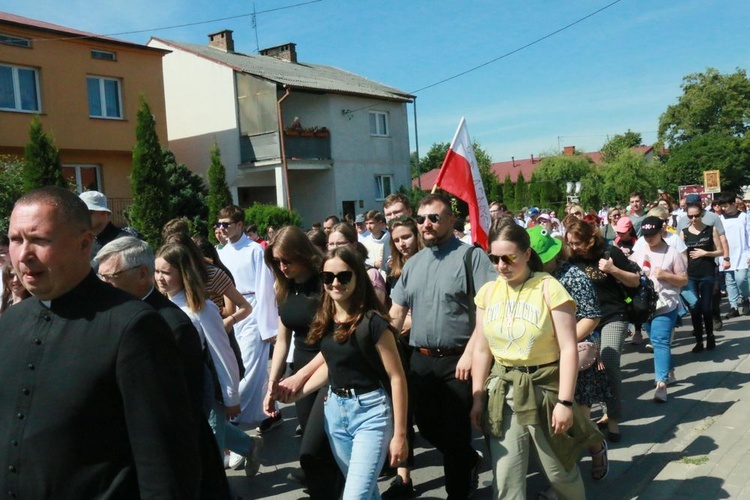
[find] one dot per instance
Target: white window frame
(17, 90)
(381, 193)
(103, 98)
(377, 132)
(78, 168)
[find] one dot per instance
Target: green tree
(264, 215)
(509, 193)
(11, 187)
(414, 194)
(187, 195)
(521, 192)
(42, 166)
(148, 180)
(219, 195)
(434, 158)
(714, 151)
(619, 143)
(627, 173)
(555, 172)
(711, 102)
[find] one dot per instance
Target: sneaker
(650, 347)
(660, 394)
(298, 431)
(270, 424)
(733, 313)
(236, 461)
(399, 489)
(671, 378)
(718, 325)
(698, 347)
(252, 461)
(746, 309)
(298, 476)
(710, 343)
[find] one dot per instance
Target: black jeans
(441, 409)
(702, 313)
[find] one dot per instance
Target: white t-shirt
(667, 259)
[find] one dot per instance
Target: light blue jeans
(228, 436)
(737, 285)
(660, 332)
(360, 429)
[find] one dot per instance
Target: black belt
(441, 352)
(348, 392)
(528, 369)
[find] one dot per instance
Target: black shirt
(347, 365)
(608, 289)
(702, 266)
(298, 310)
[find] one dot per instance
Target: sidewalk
(697, 445)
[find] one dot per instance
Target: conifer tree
(521, 194)
(508, 193)
(42, 166)
(148, 179)
(219, 195)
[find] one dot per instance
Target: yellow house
(85, 89)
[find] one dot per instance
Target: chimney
(532, 159)
(569, 150)
(221, 40)
(286, 52)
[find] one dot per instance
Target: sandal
(599, 472)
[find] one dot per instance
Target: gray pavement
(697, 445)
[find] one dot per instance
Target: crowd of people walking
(134, 371)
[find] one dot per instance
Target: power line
(519, 49)
(196, 23)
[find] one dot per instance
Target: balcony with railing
(300, 146)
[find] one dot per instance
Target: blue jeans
(228, 436)
(660, 332)
(737, 286)
(360, 429)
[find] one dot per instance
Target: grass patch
(694, 460)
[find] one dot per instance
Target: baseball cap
(693, 199)
(623, 225)
(95, 201)
(651, 225)
(533, 211)
(360, 219)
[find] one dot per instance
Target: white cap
(95, 201)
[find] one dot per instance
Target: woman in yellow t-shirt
(526, 326)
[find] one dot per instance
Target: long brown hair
(398, 260)
(179, 257)
(7, 294)
(293, 244)
(362, 300)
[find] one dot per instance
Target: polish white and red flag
(460, 177)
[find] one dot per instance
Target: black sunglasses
(696, 216)
(223, 224)
(434, 218)
(344, 277)
(508, 260)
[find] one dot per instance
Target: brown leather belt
(441, 352)
(528, 369)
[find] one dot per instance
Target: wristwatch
(727, 259)
(569, 404)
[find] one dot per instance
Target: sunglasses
(434, 218)
(283, 261)
(508, 259)
(344, 277)
(223, 225)
(696, 216)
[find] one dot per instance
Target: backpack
(641, 301)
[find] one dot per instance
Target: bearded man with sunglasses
(435, 287)
(254, 280)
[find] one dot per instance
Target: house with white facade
(316, 138)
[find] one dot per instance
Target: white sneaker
(660, 394)
(253, 459)
(236, 461)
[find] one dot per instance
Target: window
(383, 186)
(85, 177)
(104, 55)
(378, 123)
(19, 89)
(104, 97)
(15, 41)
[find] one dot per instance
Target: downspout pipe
(284, 165)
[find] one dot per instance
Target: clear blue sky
(615, 71)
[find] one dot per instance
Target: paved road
(685, 448)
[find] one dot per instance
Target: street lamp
(573, 190)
